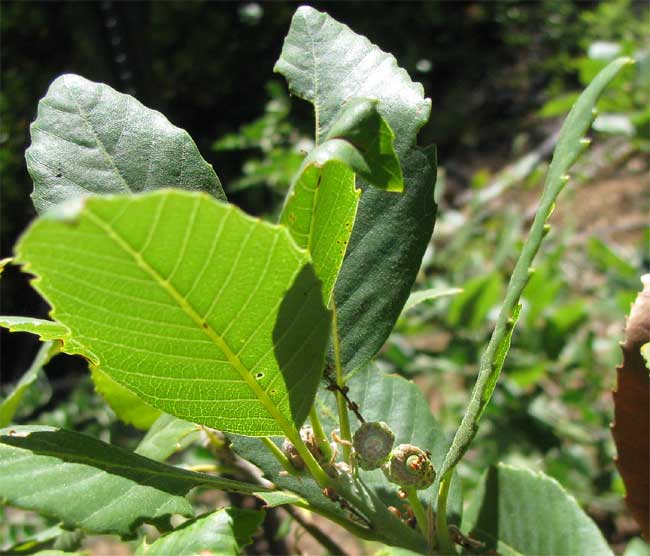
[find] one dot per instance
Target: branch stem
(418, 511)
(278, 455)
(344, 420)
(445, 544)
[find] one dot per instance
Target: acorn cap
(409, 466)
(372, 444)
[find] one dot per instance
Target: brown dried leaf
(631, 428)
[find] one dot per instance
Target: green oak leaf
(319, 213)
(429, 294)
(361, 138)
(128, 407)
(92, 485)
(222, 533)
(88, 138)
(321, 206)
(10, 404)
(518, 511)
(328, 65)
(46, 330)
(228, 332)
(167, 436)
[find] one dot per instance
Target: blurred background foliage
(501, 76)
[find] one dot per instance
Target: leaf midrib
(212, 334)
(100, 144)
(179, 475)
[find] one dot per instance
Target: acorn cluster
(406, 465)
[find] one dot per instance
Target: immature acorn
(409, 466)
(289, 450)
(372, 444)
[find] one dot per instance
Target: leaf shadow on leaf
(300, 334)
(487, 524)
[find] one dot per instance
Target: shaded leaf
(229, 333)
(428, 295)
(631, 428)
(222, 533)
(166, 436)
(361, 138)
(518, 511)
(128, 407)
(391, 231)
(321, 206)
(88, 138)
(92, 485)
(319, 213)
(10, 404)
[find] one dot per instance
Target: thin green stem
(418, 511)
(277, 453)
(344, 420)
(445, 544)
(318, 473)
(319, 433)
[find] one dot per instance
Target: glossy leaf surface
(88, 138)
(228, 332)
